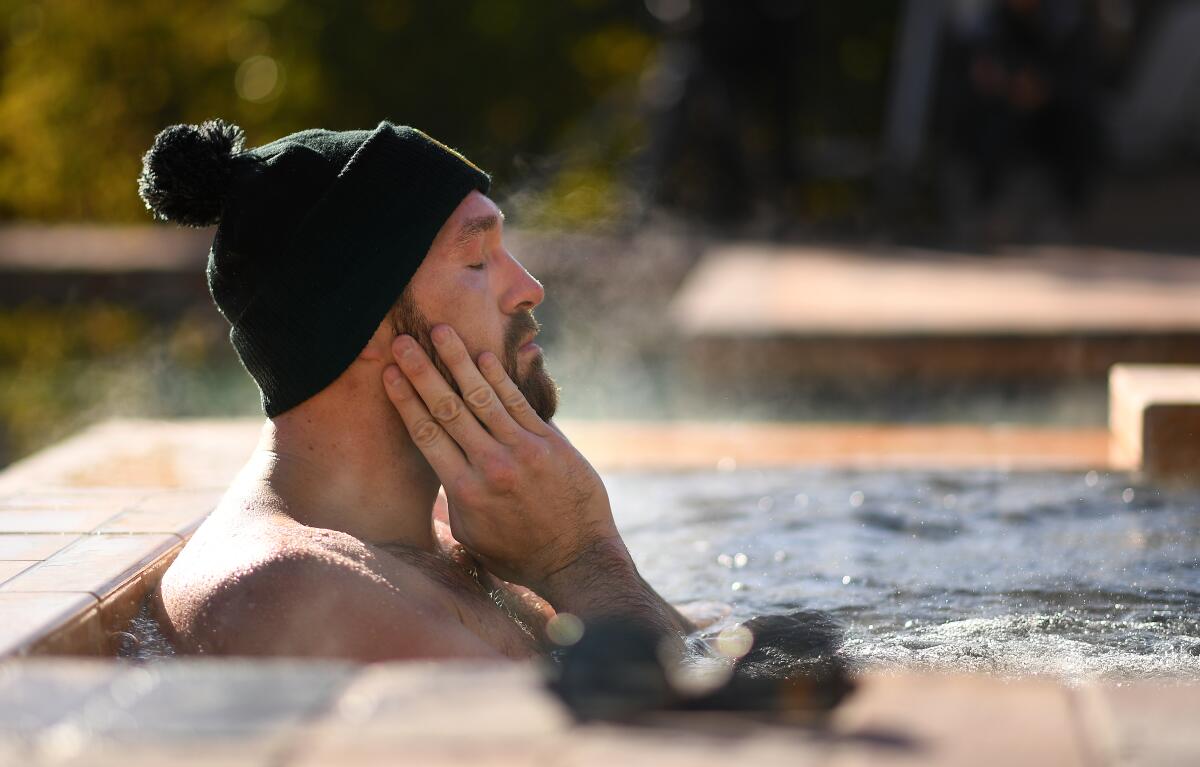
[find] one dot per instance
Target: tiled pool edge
(432, 713)
(90, 623)
(157, 480)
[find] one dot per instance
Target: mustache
(521, 326)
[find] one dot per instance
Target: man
(390, 332)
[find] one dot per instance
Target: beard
(539, 389)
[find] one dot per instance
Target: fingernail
(441, 333)
(391, 375)
(406, 344)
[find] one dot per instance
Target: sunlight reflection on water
(1076, 576)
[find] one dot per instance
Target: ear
(379, 348)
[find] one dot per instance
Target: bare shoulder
(287, 590)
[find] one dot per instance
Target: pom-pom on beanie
(317, 235)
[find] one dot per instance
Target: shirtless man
(391, 334)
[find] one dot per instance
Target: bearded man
(390, 332)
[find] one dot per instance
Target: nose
(523, 292)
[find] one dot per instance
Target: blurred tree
(85, 86)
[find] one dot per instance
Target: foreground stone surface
(175, 712)
(1154, 419)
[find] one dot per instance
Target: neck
(344, 461)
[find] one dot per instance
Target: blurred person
(390, 332)
(724, 143)
(1027, 90)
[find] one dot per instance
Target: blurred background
(752, 209)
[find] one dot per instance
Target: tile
(1145, 723)
(38, 692)
(177, 751)
(411, 702)
(15, 749)
(51, 520)
(419, 708)
(54, 497)
(81, 636)
(25, 617)
(477, 753)
(215, 698)
(10, 568)
(690, 744)
(120, 607)
(64, 510)
(176, 511)
(71, 712)
(94, 563)
(33, 546)
(188, 711)
(952, 720)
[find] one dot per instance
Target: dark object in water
(797, 652)
(616, 671)
(612, 672)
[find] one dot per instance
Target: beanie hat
(318, 233)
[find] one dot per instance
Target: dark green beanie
(317, 235)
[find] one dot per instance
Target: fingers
(442, 452)
(443, 404)
(476, 391)
(512, 398)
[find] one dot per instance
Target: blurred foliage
(86, 86)
(63, 367)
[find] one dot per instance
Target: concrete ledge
(1154, 419)
(287, 713)
(755, 311)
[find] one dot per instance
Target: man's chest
(485, 606)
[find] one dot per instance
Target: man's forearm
(604, 583)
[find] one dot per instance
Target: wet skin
(329, 543)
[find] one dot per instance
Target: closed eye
(477, 267)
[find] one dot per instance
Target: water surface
(1074, 576)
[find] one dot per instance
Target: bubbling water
(1073, 576)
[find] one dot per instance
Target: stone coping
(853, 292)
(76, 563)
(206, 454)
(88, 526)
(749, 313)
(1154, 417)
(195, 711)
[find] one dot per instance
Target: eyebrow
(473, 227)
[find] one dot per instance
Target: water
(1072, 576)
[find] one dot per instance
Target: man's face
(470, 282)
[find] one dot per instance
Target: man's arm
(604, 583)
(521, 497)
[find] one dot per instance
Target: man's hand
(521, 498)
